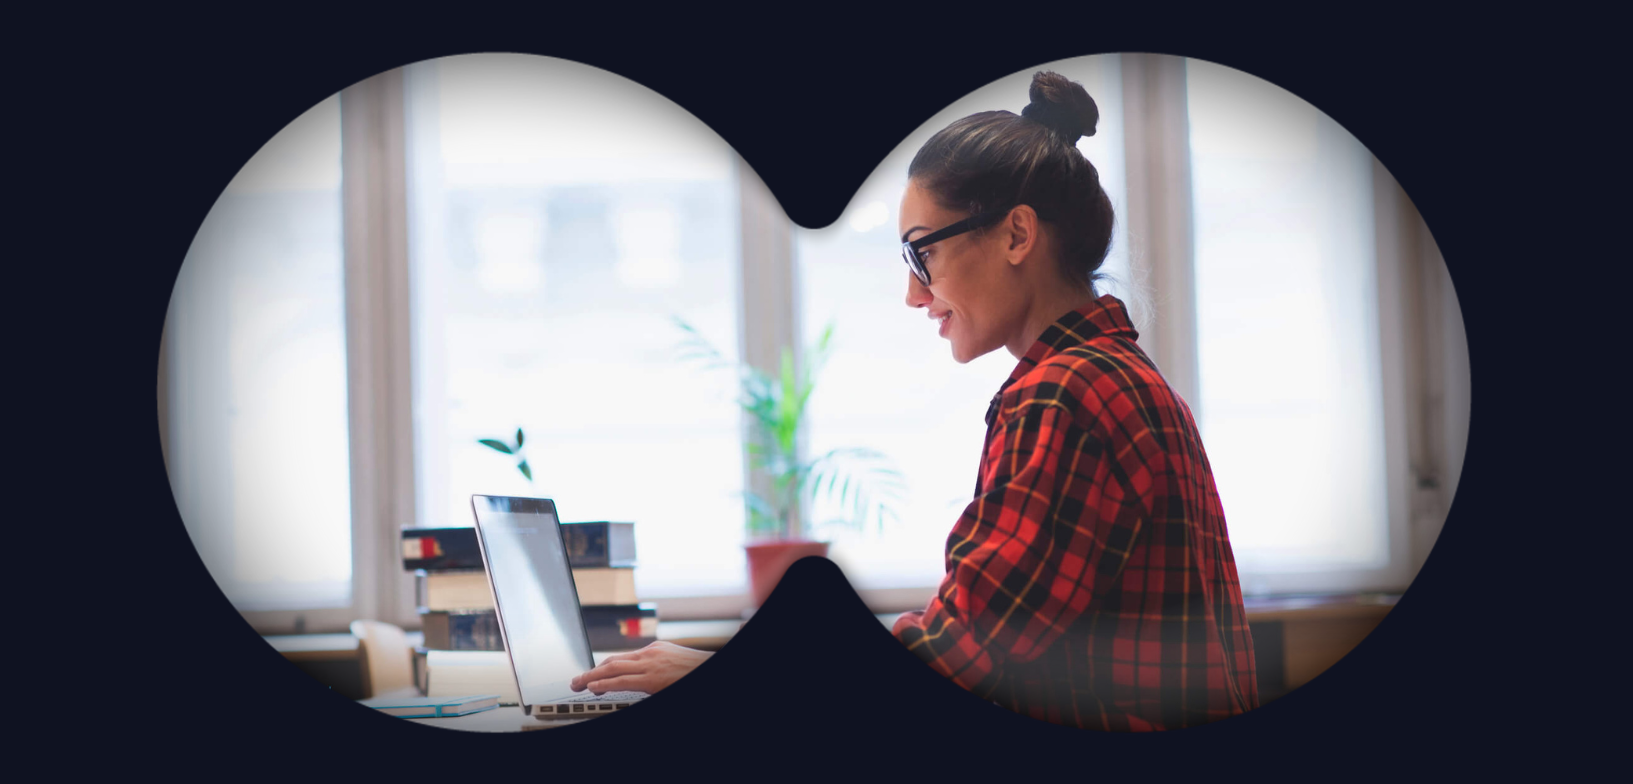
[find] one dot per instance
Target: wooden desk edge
(338, 646)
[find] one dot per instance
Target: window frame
(373, 203)
(1413, 299)
(1425, 382)
(765, 289)
(1422, 352)
(374, 230)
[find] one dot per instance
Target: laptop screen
(538, 605)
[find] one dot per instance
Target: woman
(1090, 581)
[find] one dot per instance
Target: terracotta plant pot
(769, 559)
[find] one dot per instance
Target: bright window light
(561, 216)
(258, 447)
(892, 384)
(1287, 327)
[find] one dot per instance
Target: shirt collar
(1106, 316)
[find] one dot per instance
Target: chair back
(387, 659)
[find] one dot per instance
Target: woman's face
(973, 289)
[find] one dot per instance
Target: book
(604, 640)
(590, 545)
(599, 544)
(462, 590)
(609, 628)
(468, 590)
(608, 585)
(621, 627)
(433, 707)
(458, 673)
(435, 549)
(462, 630)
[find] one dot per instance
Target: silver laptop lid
(533, 590)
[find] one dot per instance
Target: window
(450, 251)
(561, 218)
(930, 417)
(1255, 256)
(1287, 326)
(446, 253)
(257, 446)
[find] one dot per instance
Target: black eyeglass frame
(910, 249)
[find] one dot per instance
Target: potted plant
(862, 481)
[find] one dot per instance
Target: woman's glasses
(911, 250)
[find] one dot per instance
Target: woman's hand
(649, 669)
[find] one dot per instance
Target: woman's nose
(918, 294)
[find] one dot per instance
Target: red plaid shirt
(1090, 581)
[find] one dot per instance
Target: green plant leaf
(862, 481)
(518, 438)
(760, 524)
(526, 470)
(694, 347)
(802, 396)
(819, 355)
(764, 516)
(758, 504)
(788, 413)
(498, 445)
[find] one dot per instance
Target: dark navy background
(143, 117)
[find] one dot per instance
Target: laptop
(537, 606)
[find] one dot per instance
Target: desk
(1294, 639)
(500, 719)
(324, 647)
(334, 660)
(707, 635)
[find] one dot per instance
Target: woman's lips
(946, 320)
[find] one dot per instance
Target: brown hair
(997, 160)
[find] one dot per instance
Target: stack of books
(464, 651)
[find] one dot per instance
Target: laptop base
(587, 706)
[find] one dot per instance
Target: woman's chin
(966, 351)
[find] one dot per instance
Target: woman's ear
(1020, 229)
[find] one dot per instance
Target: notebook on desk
(537, 607)
(433, 707)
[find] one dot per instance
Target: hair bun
(1061, 105)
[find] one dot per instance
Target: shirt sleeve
(1019, 572)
